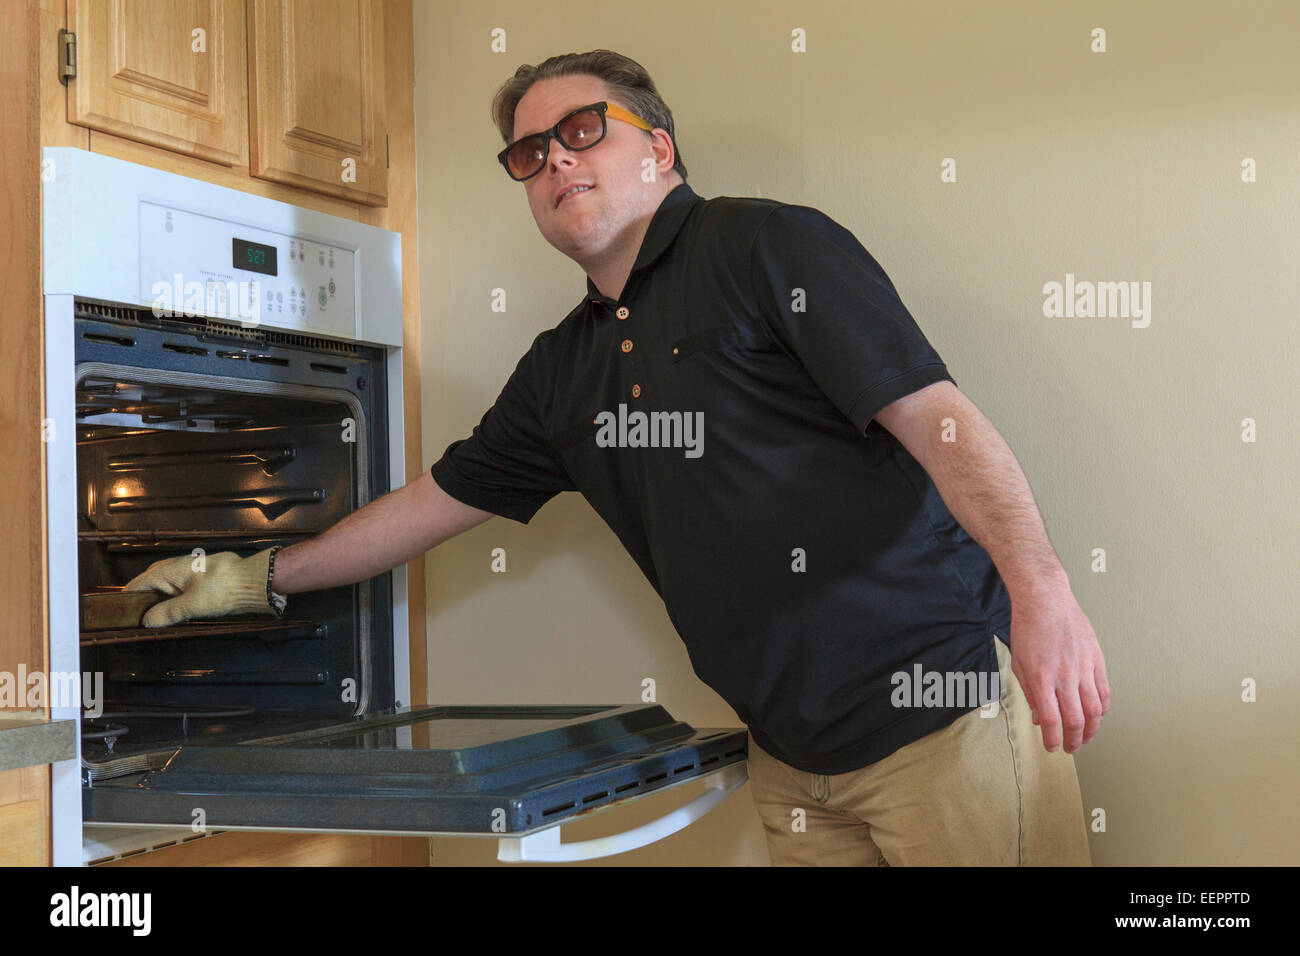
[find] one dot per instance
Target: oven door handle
(545, 845)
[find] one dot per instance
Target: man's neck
(611, 273)
(610, 276)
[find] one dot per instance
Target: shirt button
(627, 345)
(636, 391)
(622, 312)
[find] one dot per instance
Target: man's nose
(560, 154)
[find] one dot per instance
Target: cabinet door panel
(316, 96)
(171, 74)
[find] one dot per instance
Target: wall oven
(224, 373)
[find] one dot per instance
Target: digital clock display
(253, 256)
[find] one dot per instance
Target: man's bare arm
(375, 538)
(1054, 651)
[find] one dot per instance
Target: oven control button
(331, 286)
(321, 296)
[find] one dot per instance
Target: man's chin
(570, 241)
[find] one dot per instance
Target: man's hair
(626, 82)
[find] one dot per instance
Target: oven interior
(199, 437)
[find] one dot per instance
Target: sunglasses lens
(582, 130)
(525, 157)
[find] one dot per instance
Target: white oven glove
(227, 584)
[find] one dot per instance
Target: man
(743, 398)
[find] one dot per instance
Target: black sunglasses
(579, 130)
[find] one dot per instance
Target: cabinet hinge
(67, 56)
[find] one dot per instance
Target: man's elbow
(919, 419)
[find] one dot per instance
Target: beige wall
(1115, 166)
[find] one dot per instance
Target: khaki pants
(980, 792)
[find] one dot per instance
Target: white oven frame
(91, 250)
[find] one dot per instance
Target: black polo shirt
(802, 554)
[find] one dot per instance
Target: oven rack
(277, 630)
(170, 542)
(173, 536)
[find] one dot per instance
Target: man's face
(585, 224)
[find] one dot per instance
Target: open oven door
(515, 773)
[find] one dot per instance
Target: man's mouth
(569, 195)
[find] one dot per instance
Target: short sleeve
(507, 465)
(849, 328)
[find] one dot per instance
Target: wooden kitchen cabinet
(169, 74)
(24, 816)
(292, 90)
(316, 96)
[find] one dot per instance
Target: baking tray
(114, 608)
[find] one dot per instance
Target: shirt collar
(664, 226)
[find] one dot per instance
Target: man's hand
(1056, 658)
(215, 585)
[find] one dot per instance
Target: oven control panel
(195, 264)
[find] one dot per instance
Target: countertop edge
(27, 741)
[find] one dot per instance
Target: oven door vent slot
(184, 349)
(123, 340)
